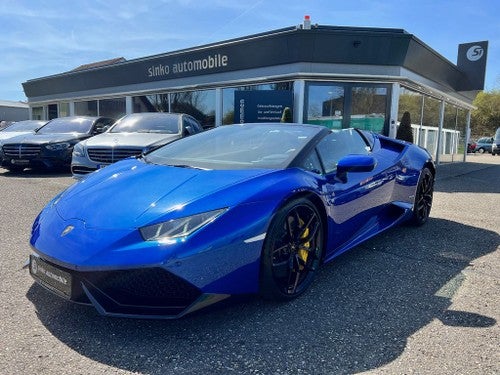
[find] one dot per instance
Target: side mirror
(354, 163)
(100, 129)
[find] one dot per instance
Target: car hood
(131, 194)
(129, 139)
(8, 135)
(47, 138)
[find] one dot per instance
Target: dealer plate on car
(20, 161)
(51, 277)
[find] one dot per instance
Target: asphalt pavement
(410, 301)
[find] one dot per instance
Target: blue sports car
(253, 208)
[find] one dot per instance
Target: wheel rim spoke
(424, 197)
(295, 253)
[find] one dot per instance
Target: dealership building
(338, 77)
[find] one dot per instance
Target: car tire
(423, 198)
(292, 251)
(481, 150)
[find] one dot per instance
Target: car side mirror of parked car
(354, 163)
(100, 129)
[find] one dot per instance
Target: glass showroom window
(199, 104)
(369, 108)
(88, 108)
(63, 109)
(150, 103)
(325, 105)
(229, 93)
(37, 113)
(454, 132)
(114, 108)
(431, 122)
(412, 102)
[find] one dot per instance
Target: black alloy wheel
(292, 251)
(423, 198)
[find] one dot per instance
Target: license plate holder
(51, 277)
(19, 161)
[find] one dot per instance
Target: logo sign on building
(261, 105)
(472, 62)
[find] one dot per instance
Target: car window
(164, 123)
(311, 163)
(338, 144)
(262, 146)
(67, 125)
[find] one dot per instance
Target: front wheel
(423, 198)
(292, 251)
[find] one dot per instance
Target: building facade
(13, 111)
(338, 77)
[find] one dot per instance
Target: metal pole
(467, 134)
(440, 130)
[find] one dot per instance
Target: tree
(404, 131)
(287, 115)
(486, 118)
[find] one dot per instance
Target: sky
(39, 38)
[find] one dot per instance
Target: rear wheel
(481, 150)
(292, 251)
(423, 198)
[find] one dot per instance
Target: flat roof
(291, 45)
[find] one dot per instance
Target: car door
(356, 202)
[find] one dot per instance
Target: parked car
(131, 135)
(252, 208)
(20, 128)
(483, 145)
(50, 146)
(495, 146)
(471, 146)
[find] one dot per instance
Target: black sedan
(52, 145)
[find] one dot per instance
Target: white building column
(440, 131)
(129, 107)
(467, 134)
(299, 87)
(219, 110)
(393, 117)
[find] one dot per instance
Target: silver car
(131, 135)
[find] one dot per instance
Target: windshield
(148, 123)
(67, 125)
(268, 146)
(24, 126)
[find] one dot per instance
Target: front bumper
(38, 158)
(140, 293)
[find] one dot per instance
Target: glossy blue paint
(107, 208)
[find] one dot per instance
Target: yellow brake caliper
(304, 252)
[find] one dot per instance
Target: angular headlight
(58, 146)
(183, 227)
(78, 150)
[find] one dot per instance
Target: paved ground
(423, 301)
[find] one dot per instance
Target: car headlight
(58, 146)
(175, 229)
(78, 150)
